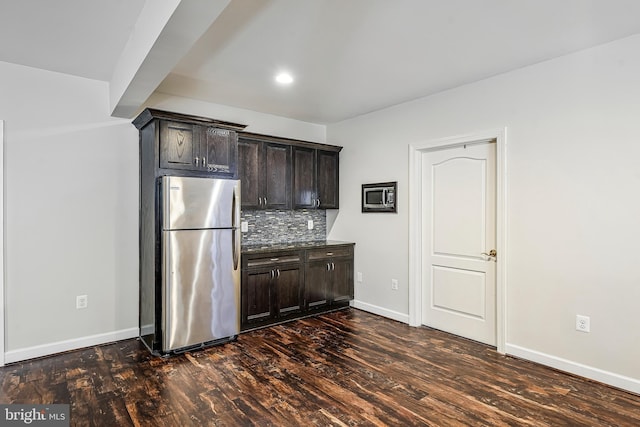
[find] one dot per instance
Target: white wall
(71, 176)
(573, 212)
(71, 212)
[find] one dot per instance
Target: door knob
(492, 253)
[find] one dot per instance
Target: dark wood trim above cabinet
(148, 114)
(290, 141)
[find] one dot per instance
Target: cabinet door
(249, 166)
(328, 179)
(178, 145)
(277, 177)
(256, 296)
(219, 151)
(289, 287)
(304, 178)
(317, 285)
(342, 281)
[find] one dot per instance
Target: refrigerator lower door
(201, 287)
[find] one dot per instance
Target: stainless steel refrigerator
(200, 261)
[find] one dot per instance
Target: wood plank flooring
(346, 368)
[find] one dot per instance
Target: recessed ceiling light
(284, 78)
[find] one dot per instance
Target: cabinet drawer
(329, 252)
(273, 259)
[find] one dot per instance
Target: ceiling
(79, 37)
(347, 57)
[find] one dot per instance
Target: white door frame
(2, 244)
(415, 224)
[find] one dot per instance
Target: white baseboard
(380, 311)
(610, 378)
(73, 344)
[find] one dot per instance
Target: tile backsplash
(283, 226)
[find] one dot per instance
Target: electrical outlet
(310, 224)
(82, 301)
(244, 226)
(394, 284)
(583, 323)
(359, 276)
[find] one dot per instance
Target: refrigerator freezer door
(201, 287)
(193, 203)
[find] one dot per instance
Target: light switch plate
(310, 224)
(244, 226)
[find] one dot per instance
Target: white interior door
(459, 225)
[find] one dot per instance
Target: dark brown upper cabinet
(265, 172)
(327, 175)
(315, 178)
(304, 178)
(181, 144)
(283, 173)
(198, 148)
(178, 145)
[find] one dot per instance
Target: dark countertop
(270, 247)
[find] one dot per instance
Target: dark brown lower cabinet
(317, 285)
(342, 282)
(283, 285)
(329, 277)
(256, 296)
(272, 288)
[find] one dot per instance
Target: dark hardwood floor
(346, 368)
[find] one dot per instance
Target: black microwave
(380, 197)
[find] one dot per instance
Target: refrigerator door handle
(235, 242)
(235, 219)
(235, 206)
(235, 216)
